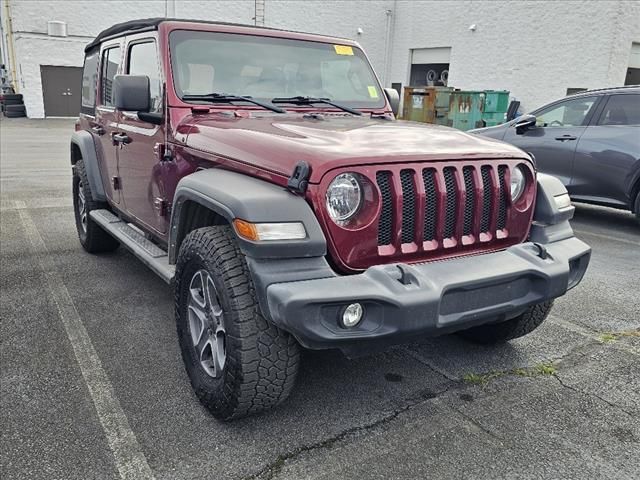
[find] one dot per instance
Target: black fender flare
(550, 223)
(234, 195)
(84, 141)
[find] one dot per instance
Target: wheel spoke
(197, 324)
(219, 353)
(203, 341)
(207, 355)
(211, 295)
(196, 288)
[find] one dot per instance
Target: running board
(136, 242)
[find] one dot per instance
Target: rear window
(110, 63)
(90, 82)
(621, 110)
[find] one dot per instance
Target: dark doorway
(633, 76)
(61, 90)
(423, 74)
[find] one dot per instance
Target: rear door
(140, 164)
(554, 139)
(607, 152)
(105, 123)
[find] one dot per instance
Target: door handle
(121, 139)
(566, 137)
(97, 129)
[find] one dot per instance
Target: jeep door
(105, 123)
(554, 139)
(140, 160)
(608, 153)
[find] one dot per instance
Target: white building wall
(535, 49)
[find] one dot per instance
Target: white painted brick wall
(535, 49)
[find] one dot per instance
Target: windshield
(266, 68)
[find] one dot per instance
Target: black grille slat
(408, 206)
(385, 221)
(487, 188)
(430, 211)
(470, 200)
(451, 203)
(502, 200)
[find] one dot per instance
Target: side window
(621, 110)
(110, 62)
(143, 60)
(571, 113)
(90, 82)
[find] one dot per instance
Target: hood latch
(299, 179)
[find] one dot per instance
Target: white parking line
(606, 237)
(129, 459)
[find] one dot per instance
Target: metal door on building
(61, 90)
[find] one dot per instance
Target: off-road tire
(261, 360)
(636, 207)
(517, 327)
(93, 239)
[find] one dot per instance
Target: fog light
(352, 315)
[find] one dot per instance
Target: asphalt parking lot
(92, 383)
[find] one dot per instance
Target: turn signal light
(269, 231)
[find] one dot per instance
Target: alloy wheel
(206, 324)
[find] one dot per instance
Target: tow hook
(542, 251)
(406, 276)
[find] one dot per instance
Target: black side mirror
(131, 93)
(394, 99)
(524, 123)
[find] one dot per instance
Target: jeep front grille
(442, 208)
(430, 210)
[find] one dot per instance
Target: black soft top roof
(152, 24)
(131, 25)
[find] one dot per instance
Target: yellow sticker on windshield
(343, 49)
(373, 91)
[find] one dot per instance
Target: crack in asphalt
(592, 394)
(273, 469)
(479, 426)
(420, 359)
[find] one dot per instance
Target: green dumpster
(496, 103)
(465, 109)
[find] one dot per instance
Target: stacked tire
(12, 105)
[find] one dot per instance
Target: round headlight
(518, 182)
(344, 197)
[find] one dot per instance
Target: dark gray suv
(590, 141)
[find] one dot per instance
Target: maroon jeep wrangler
(263, 175)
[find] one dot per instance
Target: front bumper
(404, 301)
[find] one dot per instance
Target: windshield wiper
(300, 100)
(227, 98)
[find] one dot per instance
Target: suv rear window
(621, 110)
(110, 63)
(265, 68)
(90, 82)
